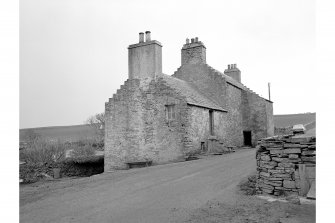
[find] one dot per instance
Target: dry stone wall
(283, 130)
(278, 160)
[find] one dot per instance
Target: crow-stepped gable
(161, 118)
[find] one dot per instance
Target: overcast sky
(73, 53)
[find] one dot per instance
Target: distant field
(293, 119)
(64, 133)
(77, 132)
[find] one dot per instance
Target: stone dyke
(280, 161)
(283, 130)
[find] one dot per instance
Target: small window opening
(211, 122)
(170, 112)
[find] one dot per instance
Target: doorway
(247, 138)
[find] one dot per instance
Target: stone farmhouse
(164, 118)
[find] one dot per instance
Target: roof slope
(192, 95)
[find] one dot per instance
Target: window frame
(211, 122)
(170, 112)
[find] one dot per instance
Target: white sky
(73, 53)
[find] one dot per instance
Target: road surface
(164, 193)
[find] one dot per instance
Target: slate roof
(192, 95)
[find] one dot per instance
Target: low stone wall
(280, 161)
(283, 130)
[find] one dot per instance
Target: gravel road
(164, 193)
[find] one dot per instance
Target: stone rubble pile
(278, 159)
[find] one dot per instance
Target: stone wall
(235, 120)
(193, 53)
(137, 128)
(122, 113)
(136, 125)
(198, 131)
(283, 130)
(246, 110)
(280, 160)
(256, 116)
(165, 141)
(197, 128)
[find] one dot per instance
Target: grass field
(78, 132)
(293, 119)
(64, 133)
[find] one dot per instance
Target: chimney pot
(196, 39)
(141, 37)
(192, 40)
(228, 67)
(147, 36)
(187, 41)
(235, 65)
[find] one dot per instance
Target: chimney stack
(233, 72)
(141, 36)
(147, 36)
(194, 52)
(144, 58)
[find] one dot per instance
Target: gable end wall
(137, 128)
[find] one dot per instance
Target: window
(211, 122)
(170, 112)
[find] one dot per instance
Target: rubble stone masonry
(246, 110)
(211, 110)
(280, 161)
(136, 126)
